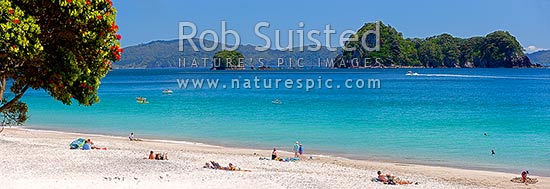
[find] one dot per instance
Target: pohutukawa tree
(61, 46)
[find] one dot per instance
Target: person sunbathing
(391, 179)
(92, 146)
(151, 155)
(216, 165)
(231, 167)
(207, 165)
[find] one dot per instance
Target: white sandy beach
(42, 159)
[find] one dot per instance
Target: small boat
(142, 100)
(167, 91)
(277, 102)
(411, 73)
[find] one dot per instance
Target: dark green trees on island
(225, 59)
(497, 49)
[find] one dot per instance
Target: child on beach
(524, 176)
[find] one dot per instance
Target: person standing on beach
(295, 148)
(300, 150)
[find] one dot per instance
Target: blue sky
(142, 21)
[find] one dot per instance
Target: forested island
(498, 49)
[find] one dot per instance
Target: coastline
(190, 156)
(314, 153)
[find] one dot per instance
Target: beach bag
(78, 143)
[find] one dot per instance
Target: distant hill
(540, 57)
(166, 54)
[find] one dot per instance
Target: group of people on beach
(298, 153)
(298, 150)
(158, 156)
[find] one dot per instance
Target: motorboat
(277, 102)
(167, 91)
(411, 73)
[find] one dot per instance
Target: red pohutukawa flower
(114, 27)
(118, 36)
(10, 11)
(69, 1)
(116, 51)
(99, 17)
(16, 21)
(110, 3)
(88, 2)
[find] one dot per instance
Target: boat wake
(481, 76)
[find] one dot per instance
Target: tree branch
(2, 87)
(15, 99)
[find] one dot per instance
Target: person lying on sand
(390, 179)
(207, 165)
(88, 145)
(215, 165)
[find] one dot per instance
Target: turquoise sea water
(436, 118)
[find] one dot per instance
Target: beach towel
(77, 144)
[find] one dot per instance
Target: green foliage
(15, 114)
(497, 49)
(62, 46)
(228, 60)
